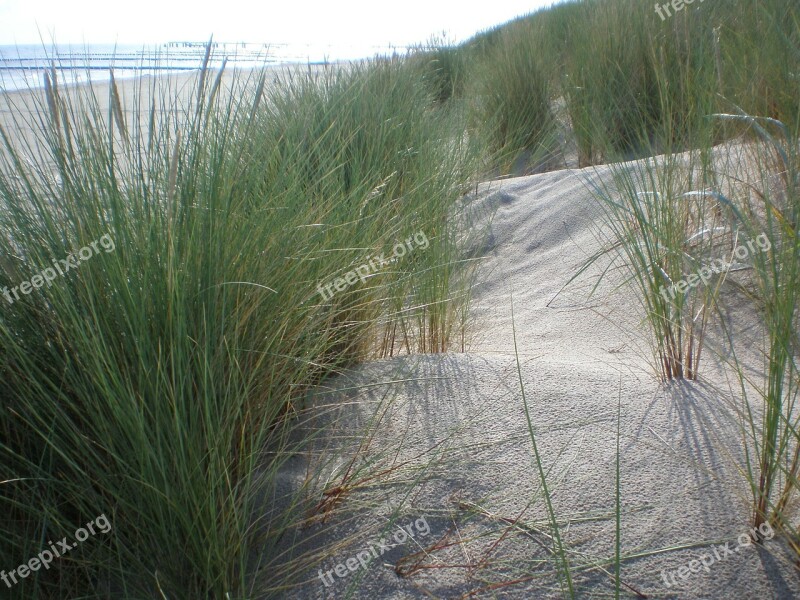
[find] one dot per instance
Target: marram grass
(149, 384)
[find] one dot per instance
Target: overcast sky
(295, 21)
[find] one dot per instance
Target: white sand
(452, 428)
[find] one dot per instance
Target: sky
(359, 22)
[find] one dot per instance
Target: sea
(23, 66)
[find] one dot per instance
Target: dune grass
(155, 383)
(631, 83)
(511, 105)
(664, 232)
(769, 207)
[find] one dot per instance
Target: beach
(514, 317)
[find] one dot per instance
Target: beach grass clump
(769, 207)
(511, 102)
(759, 57)
(156, 382)
(373, 138)
(124, 393)
(633, 83)
(443, 68)
(607, 83)
(665, 232)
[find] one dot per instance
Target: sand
(19, 109)
(448, 439)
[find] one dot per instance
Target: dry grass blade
(201, 84)
(116, 104)
(51, 94)
(217, 83)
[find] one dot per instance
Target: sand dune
(450, 437)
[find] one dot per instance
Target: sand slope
(451, 437)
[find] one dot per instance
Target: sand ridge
(451, 434)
